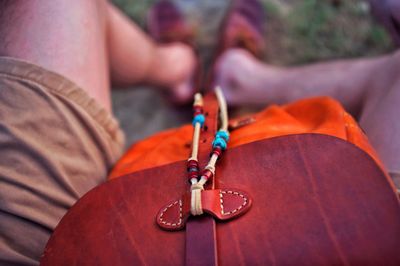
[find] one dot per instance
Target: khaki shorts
(56, 143)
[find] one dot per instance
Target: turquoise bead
(222, 134)
(199, 119)
(219, 142)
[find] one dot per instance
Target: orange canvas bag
(321, 115)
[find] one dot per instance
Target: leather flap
(223, 204)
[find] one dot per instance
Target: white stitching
(180, 214)
(234, 193)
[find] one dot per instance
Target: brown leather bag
(312, 200)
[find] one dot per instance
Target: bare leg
(80, 39)
(368, 88)
(67, 37)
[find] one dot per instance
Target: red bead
(207, 174)
(193, 169)
(217, 151)
(192, 175)
(198, 107)
(197, 110)
(196, 113)
(192, 164)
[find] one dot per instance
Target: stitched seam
(180, 214)
(221, 200)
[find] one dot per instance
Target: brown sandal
(166, 24)
(388, 14)
(243, 27)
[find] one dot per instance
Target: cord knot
(197, 186)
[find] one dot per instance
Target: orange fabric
(321, 115)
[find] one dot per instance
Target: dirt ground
(298, 32)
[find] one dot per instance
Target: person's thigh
(67, 37)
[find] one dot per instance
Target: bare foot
(242, 77)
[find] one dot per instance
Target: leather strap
(201, 241)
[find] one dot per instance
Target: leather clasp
(223, 204)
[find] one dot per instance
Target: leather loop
(222, 204)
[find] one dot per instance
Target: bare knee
(67, 37)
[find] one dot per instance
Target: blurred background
(297, 32)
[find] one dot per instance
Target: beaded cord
(198, 123)
(219, 145)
